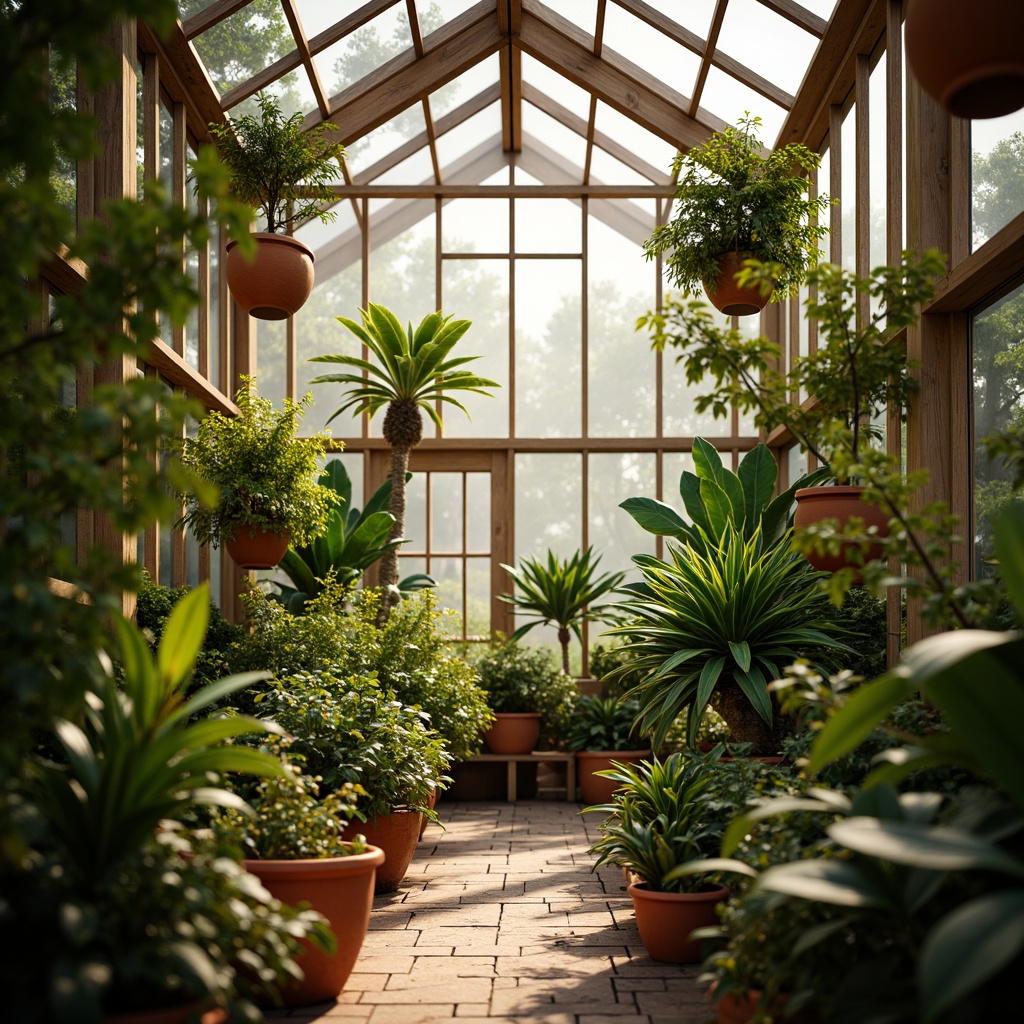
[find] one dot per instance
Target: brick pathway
(500, 919)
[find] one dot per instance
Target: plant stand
(535, 757)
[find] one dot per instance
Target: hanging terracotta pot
(277, 283)
(256, 548)
(968, 56)
(843, 503)
(593, 788)
(513, 733)
(396, 834)
(340, 888)
(666, 919)
(175, 1015)
(727, 296)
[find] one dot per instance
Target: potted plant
(858, 370)
(285, 172)
(603, 729)
(415, 373)
(714, 624)
(968, 59)
(101, 848)
(292, 840)
(260, 480)
(529, 697)
(658, 820)
(734, 205)
(563, 593)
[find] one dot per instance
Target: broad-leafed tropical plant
(352, 542)
(413, 372)
(715, 498)
(716, 625)
(561, 592)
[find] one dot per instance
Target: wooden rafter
(705, 58)
(312, 71)
(216, 12)
(797, 14)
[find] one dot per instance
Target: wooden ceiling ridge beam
(509, 13)
(856, 27)
(565, 48)
(404, 80)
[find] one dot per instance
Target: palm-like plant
(719, 622)
(560, 593)
(414, 373)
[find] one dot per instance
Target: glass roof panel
(766, 43)
(366, 49)
(466, 86)
(316, 233)
(468, 135)
(238, 47)
(558, 87)
(365, 152)
(729, 99)
(579, 12)
(565, 142)
(434, 13)
(189, 8)
(414, 170)
(822, 8)
(646, 47)
(694, 15)
(606, 170)
(657, 152)
(317, 15)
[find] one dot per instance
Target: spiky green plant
(718, 623)
(414, 373)
(561, 593)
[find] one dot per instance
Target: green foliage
(861, 622)
(287, 818)
(703, 624)
(352, 730)
(410, 656)
(258, 473)
(604, 723)
(716, 498)
(564, 593)
(729, 197)
(997, 186)
(521, 679)
(279, 167)
(352, 542)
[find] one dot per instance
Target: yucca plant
(716, 626)
(414, 373)
(561, 593)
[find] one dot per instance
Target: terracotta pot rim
(272, 237)
(518, 714)
(833, 489)
(719, 892)
(612, 755)
(372, 858)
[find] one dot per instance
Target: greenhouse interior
(508, 511)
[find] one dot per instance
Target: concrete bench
(536, 757)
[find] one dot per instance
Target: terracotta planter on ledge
(843, 503)
(513, 733)
(666, 919)
(341, 888)
(593, 788)
(727, 296)
(256, 548)
(277, 283)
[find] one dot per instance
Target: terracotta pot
(255, 548)
(341, 888)
(513, 733)
(666, 919)
(727, 296)
(277, 282)
(968, 56)
(842, 502)
(431, 803)
(593, 788)
(396, 834)
(735, 1009)
(175, 1015)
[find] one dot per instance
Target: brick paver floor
(501, 919)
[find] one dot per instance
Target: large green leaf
(757, 473)
(689, 491)
(656, 517)
(826, 881)
(1008, 533)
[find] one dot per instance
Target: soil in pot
(341, 888)
(593, 788)
(396, 834)
(513, 733)
(666, 919)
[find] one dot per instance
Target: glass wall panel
(611, 479)
(478, 512)
(446, 512)
(548, 503)
(402, 275)
(998, 358)
(448, 574)
(271, 358)
(548, 348)
(997, 174)
(878, 164)
(621, 364)
(416, 516)
(548, 226)
(848, 201)
(478, 596)
(477, 290)
(475, 225)
(673, 465)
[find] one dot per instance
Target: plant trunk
(563, 639)
(396, 506)
(745, 724)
